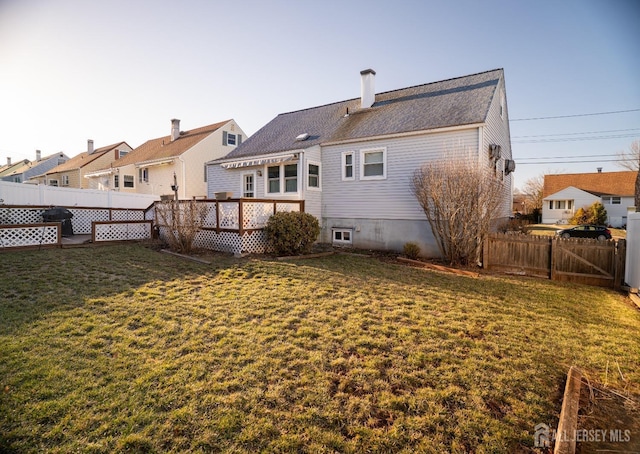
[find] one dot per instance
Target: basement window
(342, 236)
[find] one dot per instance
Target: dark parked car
(599, 232)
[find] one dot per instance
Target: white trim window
(128, 181)
(560, 204)
(116, 181)
(65, 180)
(143, 175)
(611, 200)
(231, 139)
(53, 182)
(348, 166)
(342, 236)
(313, 175)
(249, 185)
(373, 164)
(282, 176)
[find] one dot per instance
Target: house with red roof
(564, 194)
(177, 159)
(71, 173)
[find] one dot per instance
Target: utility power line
(579, 139)
(576, 133)
(573, 162)
(576, 115)
(573, 157)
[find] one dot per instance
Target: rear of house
(352, 162)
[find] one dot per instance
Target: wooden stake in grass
(568, 424)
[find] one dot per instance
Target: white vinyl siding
(496, 131)
(390, 198)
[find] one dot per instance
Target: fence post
(552, 252)
(240, 218)
(217, 216)
(619, 264)
(485, 253)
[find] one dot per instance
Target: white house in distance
(352, 161)
(564, 194)
(150, 168)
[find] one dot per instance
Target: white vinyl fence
(40, 194)
(632, 268)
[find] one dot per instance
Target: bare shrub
(182, 221)
(460, 200)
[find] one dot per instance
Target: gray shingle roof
(453, 102)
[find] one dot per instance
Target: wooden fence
(584, 261)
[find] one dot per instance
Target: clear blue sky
(72, 70)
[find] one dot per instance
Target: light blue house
(31, 169)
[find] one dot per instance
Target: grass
(122, 349)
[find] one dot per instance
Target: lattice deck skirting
(30, 235)
(120, 231)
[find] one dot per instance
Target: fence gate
(589, 262)
(584, 261)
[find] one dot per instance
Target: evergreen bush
(411, 250)
(292, 233)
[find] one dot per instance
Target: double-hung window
(65, 180)
(291, 178)
(347, 166)
(373, 164)
(273, 179)
(282, 176)
(313, 175)
(143, 175)
(128, 181)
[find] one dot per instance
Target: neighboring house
(10, 167)
(352, 161)
(564, 194)
(71, 173)
(32, 169)
(150, 168)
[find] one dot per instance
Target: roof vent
(302, 137)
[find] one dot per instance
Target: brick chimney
(367, 89)
(90, 146)
(175, 129)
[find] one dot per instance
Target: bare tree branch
(460, 200)
(631, 157)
